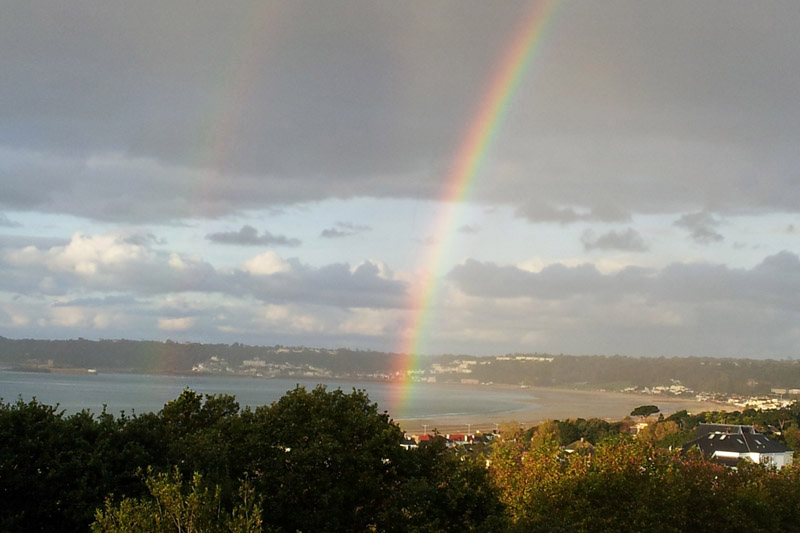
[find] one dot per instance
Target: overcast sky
(270, 172)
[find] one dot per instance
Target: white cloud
(85, 255)
(290, 318)
(370, 322)
(533, 265)
(266, 264)
(69, 317)
(176, 324)
(276, 313)
(176, 262)
(11, 317)
(102, 320)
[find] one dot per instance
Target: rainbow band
(459, 182)
(219, 131)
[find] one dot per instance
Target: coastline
(559, 404)
(532, 404)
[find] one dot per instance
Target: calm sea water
(148, 393)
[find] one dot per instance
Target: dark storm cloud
(344, 229)
(334, 285)
(555, 281)
(151, 111)
(143, 239)
(773, 282)
(628, 241)
(682, 309)
(106, 301)
(20, 241)
(334, 233)
(539, 211)
(248, 236)
(701, 227)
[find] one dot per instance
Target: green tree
(324, 460)
(442, 491)
(205, 434)
(52, 468)
(546, 432)
(791, 436)
(172, 506)
(658, 432)
(645, 410)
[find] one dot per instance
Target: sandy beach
(561, 404)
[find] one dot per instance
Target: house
(730, 443)
(408, 443)
(422, 438)
(580, 446)
(457, 439)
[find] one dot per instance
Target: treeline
(719, 375)
(675, 430)
(313, 461)
(715, 375)
(178, 357)
(324, 460)
(591, 475)
(632, 485)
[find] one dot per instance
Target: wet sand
(561, 404)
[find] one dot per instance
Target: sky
(275, 172)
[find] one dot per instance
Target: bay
(140, 393)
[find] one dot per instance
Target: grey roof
(579, 445)
(735, 442)
(705, 429)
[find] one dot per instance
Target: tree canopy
(326, 460)
(645, 410)
(315, 460)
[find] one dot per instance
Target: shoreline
(534, 405)
(558, 404)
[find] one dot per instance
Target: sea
(141, 393)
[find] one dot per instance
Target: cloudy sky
(271, 172)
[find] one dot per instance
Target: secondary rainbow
(237, 77)
(462, 176)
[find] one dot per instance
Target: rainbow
(460, 180)
(219, 130)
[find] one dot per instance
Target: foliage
(51, 466)
(323, 460)
(315, 460)
(172, 506)
(659, 432)
(564, 432)
(632, 485)
(443, 491)
(320, 460)
(645, 410)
